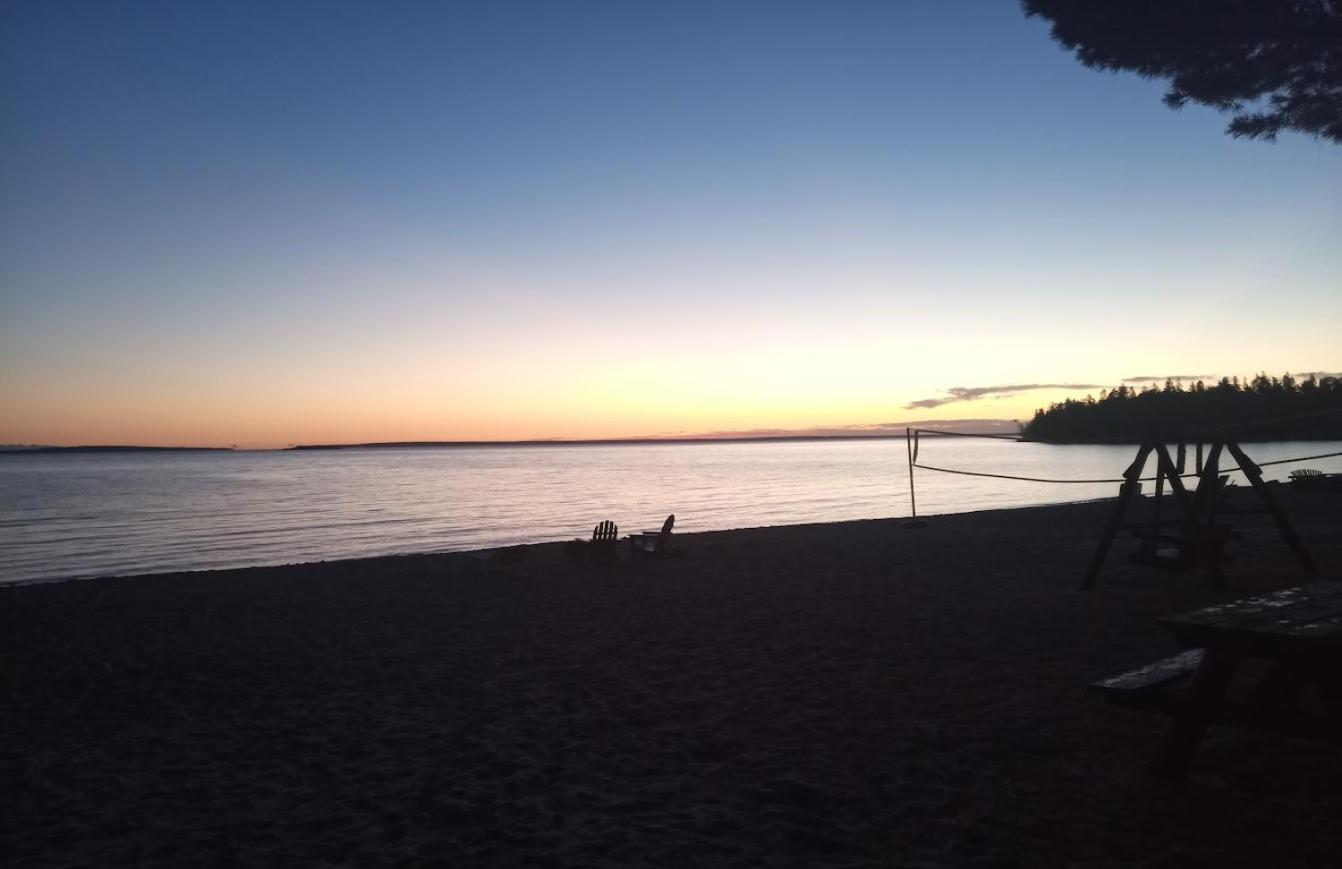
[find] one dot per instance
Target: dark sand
(856, 694)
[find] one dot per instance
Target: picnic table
(1271, 662)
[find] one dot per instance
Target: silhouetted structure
(1265, 408)
(1274, 64)
(1198, 538)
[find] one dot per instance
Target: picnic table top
(1294, 619)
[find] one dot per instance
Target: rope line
(1013, 477)
(966, 434)
(1111, 480)
(1301, 459)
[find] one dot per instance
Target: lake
(67, 515)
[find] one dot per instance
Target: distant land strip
(29, 450)
(876, 431)
(883, 431)
(554, 442)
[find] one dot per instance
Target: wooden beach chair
(655, 544)
(602, 548)
(1312, 479)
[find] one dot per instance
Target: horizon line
(878, 431)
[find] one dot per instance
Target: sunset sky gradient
(263, 224)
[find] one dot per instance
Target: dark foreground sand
(856, 694)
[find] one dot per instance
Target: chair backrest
(662, 543)
(602, 550)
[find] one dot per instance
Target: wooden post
(1255, 475)
(1196, 710)
(915, 522)
(1166, 465)
(1151, 542)
(913, 496)
(1209, 483)
(1211, 470)
(1132, 480)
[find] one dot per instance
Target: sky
(272, 223)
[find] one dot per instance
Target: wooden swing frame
(1200, 538)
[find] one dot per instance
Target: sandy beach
(852, 694)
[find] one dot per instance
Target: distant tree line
(1264, 408)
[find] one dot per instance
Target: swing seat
(1199, 546)
(1166, 557)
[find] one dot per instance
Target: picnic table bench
(1253, 662)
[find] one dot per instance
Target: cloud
(1163, 377)
(973, 393)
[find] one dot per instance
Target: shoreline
(23, 583)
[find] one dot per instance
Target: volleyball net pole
(911, 445)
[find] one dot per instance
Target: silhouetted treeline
(1264, 408)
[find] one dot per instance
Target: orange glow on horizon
(542, 371)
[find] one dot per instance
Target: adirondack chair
(656, 544)
(602, 548)
(1315, 480)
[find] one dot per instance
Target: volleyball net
(985, 471)
(987, 456)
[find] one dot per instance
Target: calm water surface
(78, 515)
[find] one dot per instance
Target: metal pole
(913, 496)
(915, 522)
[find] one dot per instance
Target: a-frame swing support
(1198, 508)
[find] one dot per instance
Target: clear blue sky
(275, 222)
